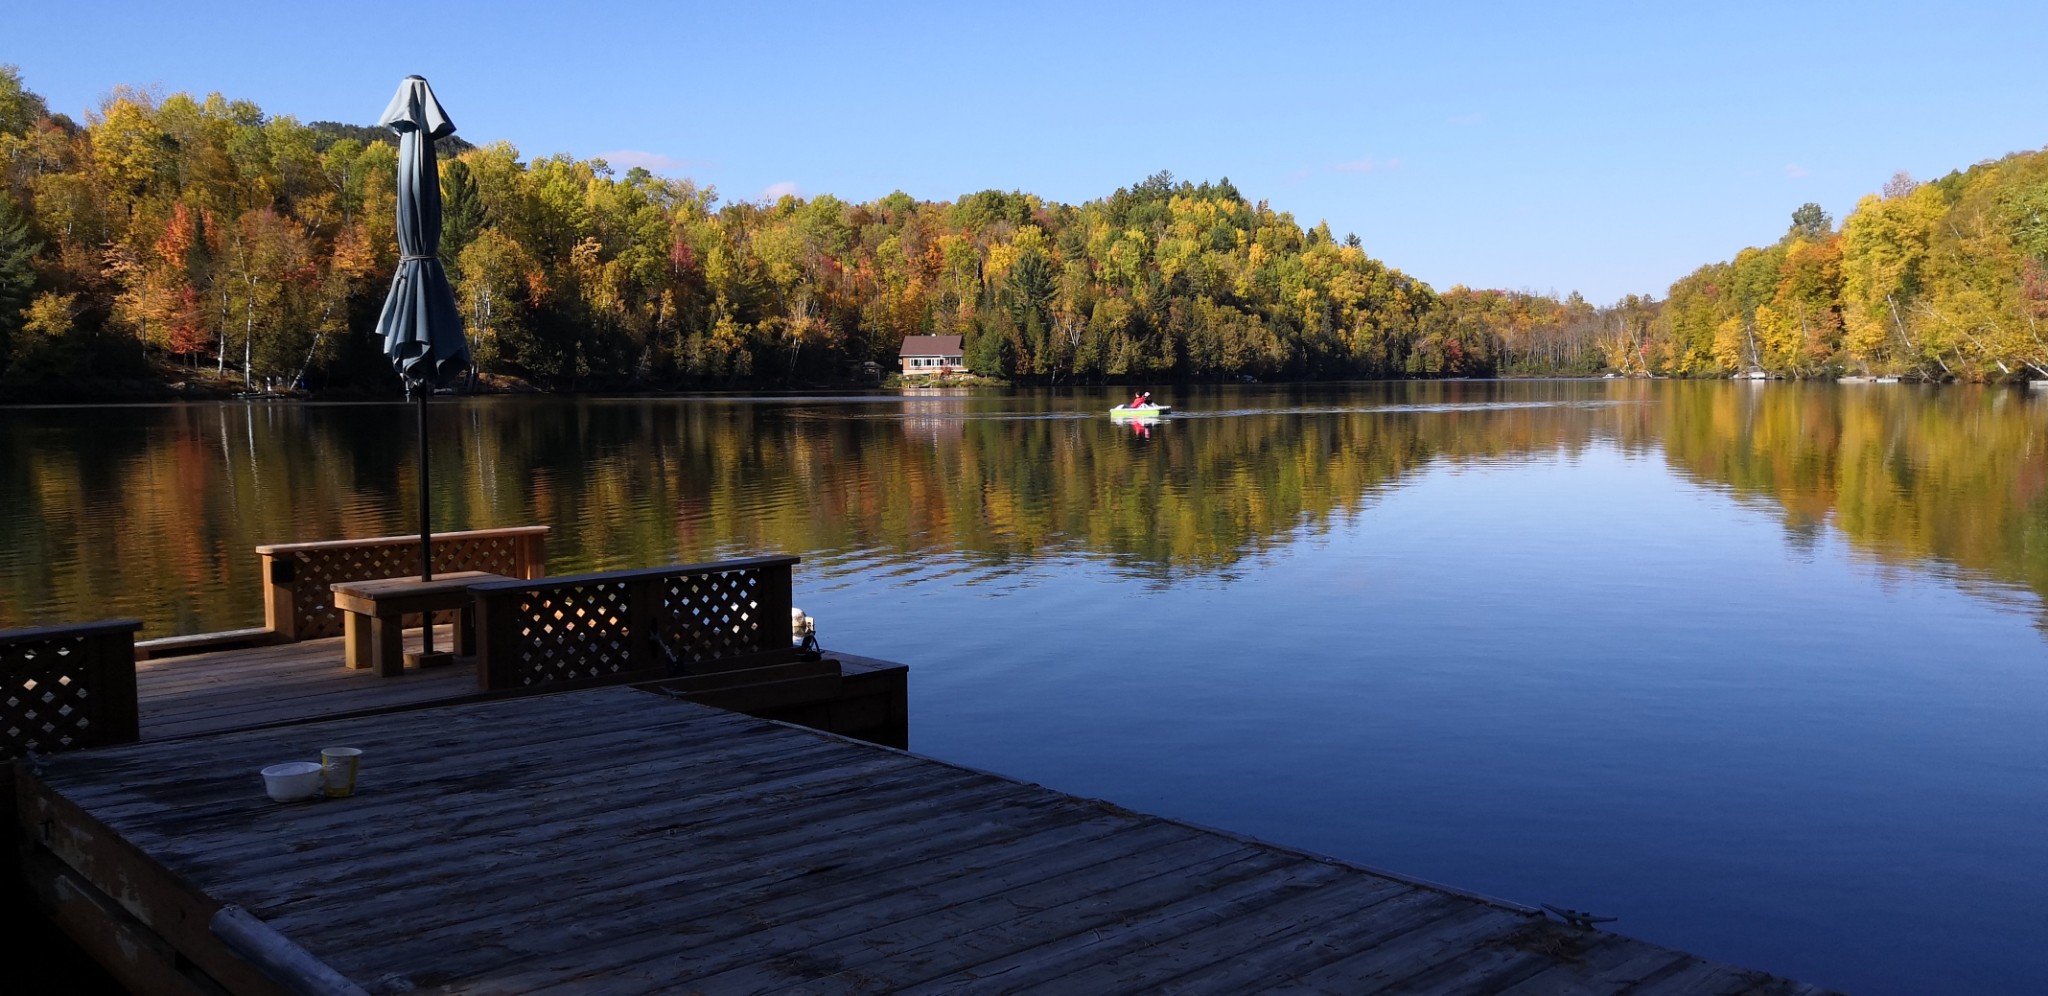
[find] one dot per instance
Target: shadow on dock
(638, 784)
(623, 840)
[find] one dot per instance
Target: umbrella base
(439, 658)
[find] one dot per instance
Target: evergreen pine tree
(462, 211)
(18, 248)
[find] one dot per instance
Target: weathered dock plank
(134, 956)
(1160, 940)
(1595, 965)
(617, 840)
(287, 682)
(524, 914)
(248, 687)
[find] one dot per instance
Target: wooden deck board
(782, 928)
(493, 876)
(614, 840)
(900, 952)
(232, 689)
(711, 891)
(452, 846)
(1699, 977)
(1170, 940)
(480, 936)
(449, 782)
(1605, 968)
(1256, 945)
(454, 761)
(275, 684)
(852, 940)
(1465, 937)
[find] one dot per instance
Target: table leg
(465, 631)
(387, 637)
(356, 638)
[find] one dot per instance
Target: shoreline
(142, 392)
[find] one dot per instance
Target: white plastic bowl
(292, 780)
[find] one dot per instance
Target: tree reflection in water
(153, 510)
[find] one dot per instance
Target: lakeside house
(929, 355)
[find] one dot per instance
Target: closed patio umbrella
(421, 327)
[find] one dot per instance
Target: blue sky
(1609, 148)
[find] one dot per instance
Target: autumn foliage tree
(205, 231)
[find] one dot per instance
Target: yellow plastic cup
(338, 767)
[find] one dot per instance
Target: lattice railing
(67, 687)
(576, 632)
(634, 625)
(705, 618)
(299, 604)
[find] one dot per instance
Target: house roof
(930, 345)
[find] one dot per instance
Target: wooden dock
(261, 686)
(287, 682)
(618, 840)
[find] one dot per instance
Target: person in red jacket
(1141, 400)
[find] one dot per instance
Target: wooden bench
(374, 614)
(299, 577)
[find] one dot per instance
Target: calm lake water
(1760, 669)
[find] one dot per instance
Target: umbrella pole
(422, 392)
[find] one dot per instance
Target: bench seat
(374, 614)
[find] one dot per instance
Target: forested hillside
(1942, 280)
(1937, 280)
(176, 237)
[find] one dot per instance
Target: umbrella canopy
(421, 328)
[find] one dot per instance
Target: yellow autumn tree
(1884, 247)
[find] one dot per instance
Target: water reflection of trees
(154, 511)
(1908, 474)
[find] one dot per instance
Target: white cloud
(1796, 171)
(777, 191)
(652, 162)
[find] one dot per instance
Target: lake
(1758, 668)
